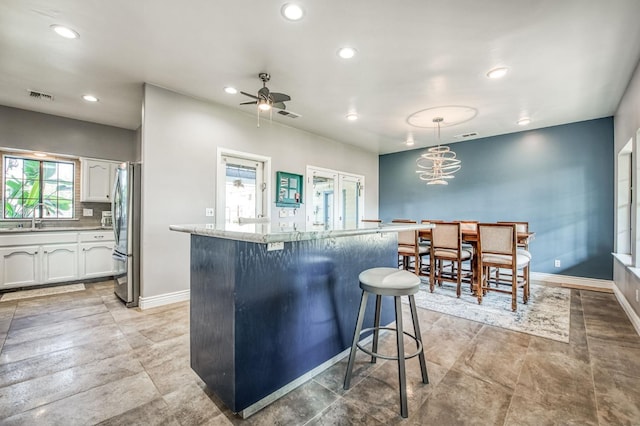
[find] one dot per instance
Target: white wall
(626, 126)
(180, 138)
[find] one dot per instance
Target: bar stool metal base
(401, 357)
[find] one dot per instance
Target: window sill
(627, 261)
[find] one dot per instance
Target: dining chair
(523, 245)
(371, 220)
(446, 248)
(409, 248)
(497, 248)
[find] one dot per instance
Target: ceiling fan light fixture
(264, 105)
(292, 11)
(347, 52)
(497, 73)
(65, 32)
(230, 90)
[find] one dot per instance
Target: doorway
(335, 199)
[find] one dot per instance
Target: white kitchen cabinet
(34, 258)
(97, 180)
(19, 266)
(59, 263)
(96, 250)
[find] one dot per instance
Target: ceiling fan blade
(280, 97)
(249, 103)
(279, 105)
(249, 95)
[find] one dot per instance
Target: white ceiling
(568, 60)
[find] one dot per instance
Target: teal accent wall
(560, 179)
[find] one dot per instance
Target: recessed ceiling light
(409, 142)
(65, 32)
(352, 116)
(347, 52)
(524, 121)
(90, 98)
(231, 90)
(40, 154)
(292, 11)
(497, 72)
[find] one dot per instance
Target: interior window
(38, 188)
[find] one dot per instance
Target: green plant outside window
(38, 188)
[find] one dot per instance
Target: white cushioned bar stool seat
(395, 283)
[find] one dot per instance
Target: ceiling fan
(265, 98)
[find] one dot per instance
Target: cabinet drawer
(96, 236)
(37, 238)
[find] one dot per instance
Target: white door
(241, 189)
(335, 200)
(321, 206)
(351, 200)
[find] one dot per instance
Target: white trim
(163, 299)
(633, 317)
(570, 281)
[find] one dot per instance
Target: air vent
(33, 94)
(288, 114)
(466, 135)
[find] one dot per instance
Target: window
(38, 188)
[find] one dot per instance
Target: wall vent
(34, 94)
(288, 114)
(466, 135)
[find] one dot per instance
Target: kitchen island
(271, 309)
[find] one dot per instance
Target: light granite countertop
(266, 233)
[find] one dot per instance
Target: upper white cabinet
(97, 179)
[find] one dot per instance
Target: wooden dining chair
(523, 248)
(409, 248)
(497, 248)
(446, 249)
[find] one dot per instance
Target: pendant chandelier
(439, 163)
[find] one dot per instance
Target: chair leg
(416, 330)
(514, 289)
(356, 338)
(459, 277)
(432, 273)
(402, 376)
(376, 332)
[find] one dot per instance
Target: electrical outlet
(87, 212)
(556, 263)
(208, 212)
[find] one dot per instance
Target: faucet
(33, 215)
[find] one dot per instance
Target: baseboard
(163, 299)
(633, 316)
(574, 282)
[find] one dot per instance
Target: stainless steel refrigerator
(125, 208)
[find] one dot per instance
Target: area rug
(547, 314)
(37, 292)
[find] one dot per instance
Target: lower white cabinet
(20, 266)
(30, 259)
(59, 263)
(96, 260)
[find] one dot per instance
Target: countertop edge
(277, 237)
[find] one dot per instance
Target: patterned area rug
(547, 314)
(37, 292)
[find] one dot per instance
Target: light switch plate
(208, 212)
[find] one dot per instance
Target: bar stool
(396, 283)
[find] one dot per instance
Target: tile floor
(82, 358)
